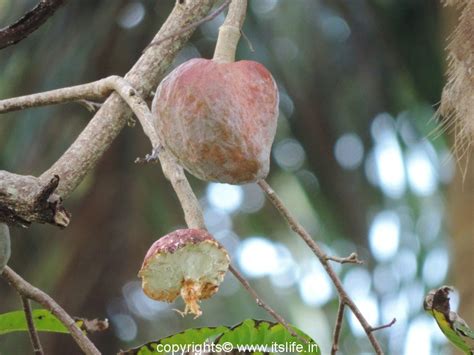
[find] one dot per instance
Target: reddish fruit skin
(219, 119)
(176, 240)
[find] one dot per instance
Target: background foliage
(358, 82)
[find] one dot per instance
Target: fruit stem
(229, 32)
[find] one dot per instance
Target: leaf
(249, 332)
(271, 335)
(43, 319)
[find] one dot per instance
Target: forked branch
(344, 298)
(94, 140)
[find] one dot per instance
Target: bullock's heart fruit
(218, 119)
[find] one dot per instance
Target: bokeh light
(289, 154)
(349, 151)
(257, 257)
(224, 196)
(131, 15)
(315, 286)
(124, 326)
(435, 267)
(384, 235)
(420, 172)
(388, 157)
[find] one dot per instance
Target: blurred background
(358, 158)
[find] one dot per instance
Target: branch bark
(25, 199)
(29, 22)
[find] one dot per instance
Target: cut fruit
(186, 262)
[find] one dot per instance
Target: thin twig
(337, 328)
(262, 304)
(351, 259)
(29, 22)
(27, 290)
(388, 325)
(90, 105)
(249, 42)
(95, 90)
(35, 342)
(192, 26)
(323, 258)
(91, 91)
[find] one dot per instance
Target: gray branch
(25, 199)
(107, 123)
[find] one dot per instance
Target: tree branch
(18, 208)
(337, 328)
(388, 325)
(25, 199)
(29, 291)
(262, 304)
(29, 22)
(35, 342)
(107, 123)
(323, 258)
(192, 26)
(91, 91)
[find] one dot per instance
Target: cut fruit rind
(187, 262)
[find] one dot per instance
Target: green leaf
(43, 319)
(189, 336)
(272, 335)
(248, 333)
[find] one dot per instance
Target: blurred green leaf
(43, 319)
